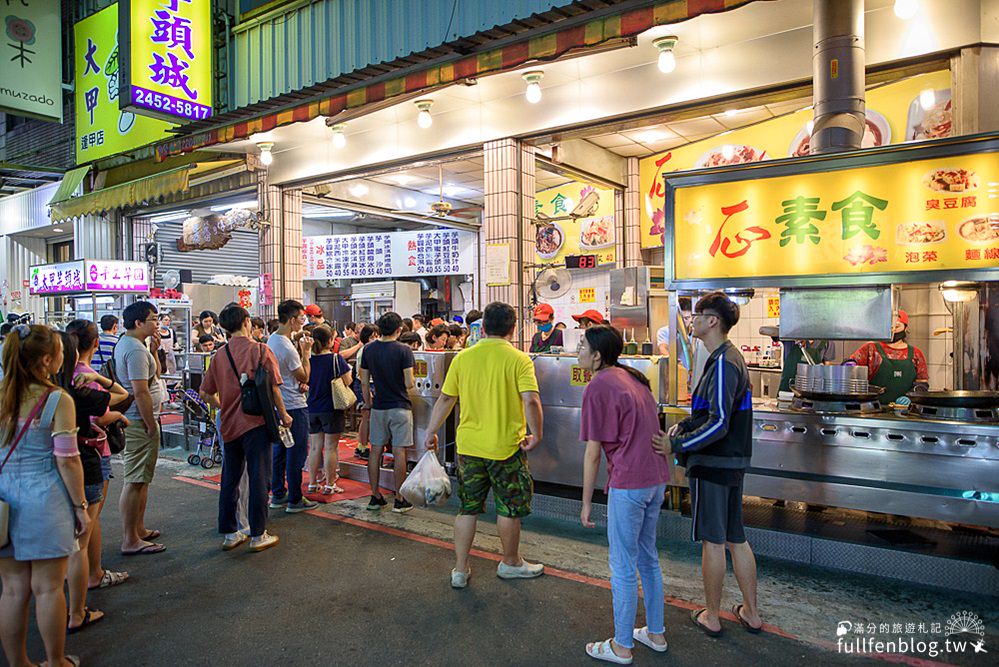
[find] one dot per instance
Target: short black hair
(232, 318)
(499, 319)
(208, 313)
(407, 324)
(409, 338)
(288, 309)
(352, 326)
(205, 338)
(272, 325)
(135, 313)
(108, 322)
(368, 332)
(389, 323)
(258, 323)
(726, 309)
(454, 330)
(473, 316)
(436, 332)
(419, 318)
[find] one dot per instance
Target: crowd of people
(282, 390)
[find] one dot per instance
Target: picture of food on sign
(729, 155)
(549, 239)
(866, 255)
(933, 231)
(595, 233)
(930, 116)
(980, 229)
(948, 179)
(877, 133)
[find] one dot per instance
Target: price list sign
(394, 254)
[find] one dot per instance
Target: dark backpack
(257, 393)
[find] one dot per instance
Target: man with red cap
(315, 314)
(588, 318)
(548, 336)
(896, 366)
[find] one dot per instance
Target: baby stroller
(209, 450)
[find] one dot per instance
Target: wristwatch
(82, 506)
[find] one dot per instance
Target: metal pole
(838, 76)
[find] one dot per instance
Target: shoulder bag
(257, 397)
(343, 396)
(4, 505)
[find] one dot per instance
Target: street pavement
(346, 586)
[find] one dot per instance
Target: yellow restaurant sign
(101, 128)
(169, 64)
(591, 234)
(922, 215)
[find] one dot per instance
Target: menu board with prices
(392, 254)
(91, 275)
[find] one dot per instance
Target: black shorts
(326, 422)
(716, 512)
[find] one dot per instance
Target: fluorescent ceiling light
(248, 204)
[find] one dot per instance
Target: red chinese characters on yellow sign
(580, 376)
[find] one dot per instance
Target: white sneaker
(460, 579)
(523, 571)
(265, 541)
(233, 540)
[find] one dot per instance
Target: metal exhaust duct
(838, 76)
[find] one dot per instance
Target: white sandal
(642, 635)
(603, 651)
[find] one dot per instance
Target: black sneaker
(402, 506)
(376, 503)
(362, 453)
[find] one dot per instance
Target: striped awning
(545, 47)
(70, 183)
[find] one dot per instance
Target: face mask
(898, 335)
(545, 328)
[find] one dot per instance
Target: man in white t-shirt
(293, 362)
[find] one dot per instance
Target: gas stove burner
(800, 404)
(957, 414)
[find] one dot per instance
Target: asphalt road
(335, 593)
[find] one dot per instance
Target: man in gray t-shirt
(293, 362)
(138, 372)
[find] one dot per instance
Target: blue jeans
(632, 515)
(246, 453)
(288, 461)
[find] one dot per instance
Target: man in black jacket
(715, 444)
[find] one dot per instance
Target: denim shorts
(106, 468)
(93, 493)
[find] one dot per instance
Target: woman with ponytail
(42, 481)
(620, 416)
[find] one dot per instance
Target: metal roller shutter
(240, 256)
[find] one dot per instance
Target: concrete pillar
(975, 89)
(632, 217)
(97, 237)
(280, 243)
(507, 219)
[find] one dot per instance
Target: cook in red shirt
(896, 365)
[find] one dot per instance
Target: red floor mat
(352, 490)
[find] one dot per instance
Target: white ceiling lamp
(424, 119)
(358, 189)
(339, 138)
(57, 230)
(266, 157)
(667, 60)
(906, 9)
(533, 79)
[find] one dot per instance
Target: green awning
(70, 182)
(131, 193)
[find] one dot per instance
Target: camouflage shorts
(509, 479)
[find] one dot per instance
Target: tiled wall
(568, 304)
(923, 303)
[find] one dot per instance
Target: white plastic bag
(428, 484)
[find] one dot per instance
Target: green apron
(794, 357)
(897, 377)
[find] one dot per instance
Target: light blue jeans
(632, 515)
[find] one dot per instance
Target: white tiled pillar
(280, 242)
(507, 218)
(632, 218)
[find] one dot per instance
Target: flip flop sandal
(88, 619)
(603, 651)
(151, 535)
(109, 579)
(330, 489)
(694, 615)
(641, 635)
(743, 622)
(148, 549)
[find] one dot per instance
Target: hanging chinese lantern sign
(168, 58)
